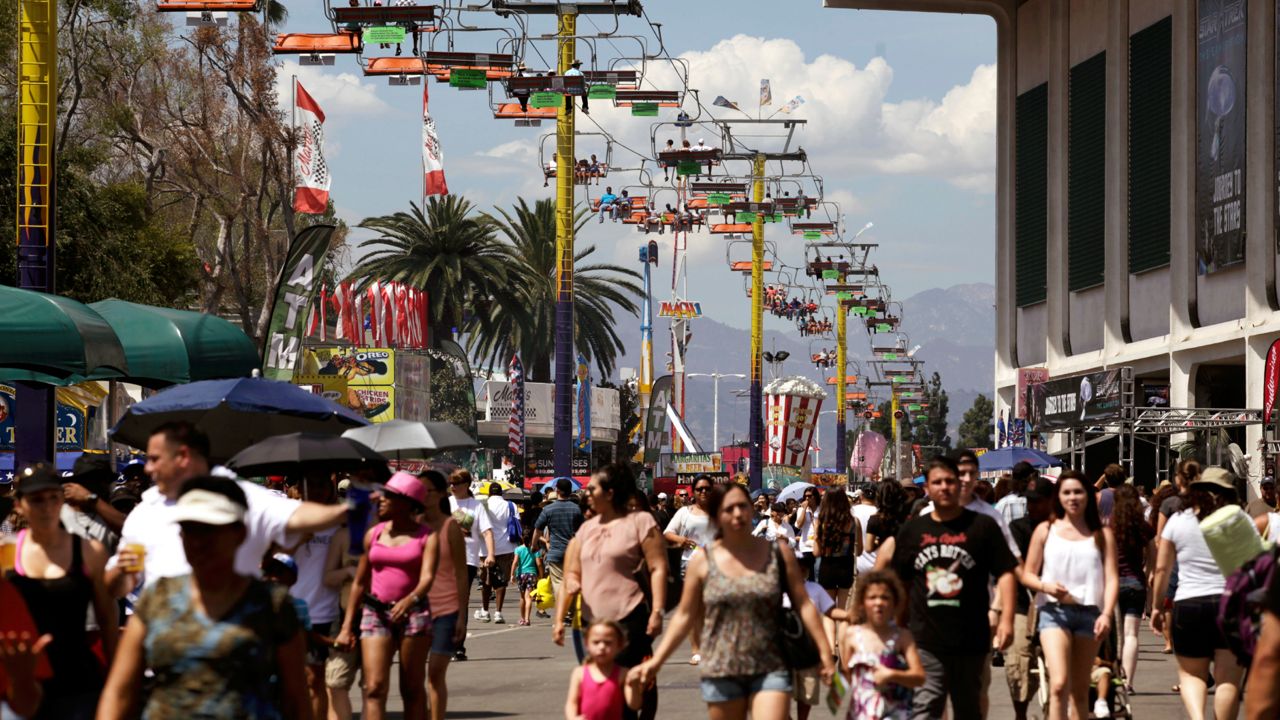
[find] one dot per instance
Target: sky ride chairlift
(207, 12)
(584, 170)
(741, 263)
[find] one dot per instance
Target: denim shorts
(1075, 619)
(442, 629)
(727, 689)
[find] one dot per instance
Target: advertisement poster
(1220, 134)
(71, 428)
(375, 404)
(1026, 377)
(360, 366)
(1075, 401)
(655, 424)
(697, 463)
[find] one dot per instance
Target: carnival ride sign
(680, 309)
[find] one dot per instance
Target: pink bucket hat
(408, 485)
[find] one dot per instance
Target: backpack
(1242, 602)
(515, 532)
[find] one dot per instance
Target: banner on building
(696, 463)
(1026, 377)
(1220, 137)
(655, 422)
(360, 366)
(295, 289)
(1270, 381)
(433, 182)
(1078, 400)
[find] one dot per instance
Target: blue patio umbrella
(1005, 458)
(235, 413)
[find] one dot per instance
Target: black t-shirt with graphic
(946, 567)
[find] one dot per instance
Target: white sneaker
(1100, 709)
(497, 618)
(482, 615)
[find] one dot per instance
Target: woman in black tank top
(59, 576)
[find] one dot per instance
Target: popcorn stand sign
(792, 405)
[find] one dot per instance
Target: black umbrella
(299, 452)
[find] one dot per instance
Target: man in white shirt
(496, 578)
(1014, 505)
(176, 453)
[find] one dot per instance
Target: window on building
(1086, 173)
(1150, 136)
(1031, 190)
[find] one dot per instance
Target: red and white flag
(312, 172)
(432, 157)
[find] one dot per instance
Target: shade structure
(235, 413)
(55, 340)
(168, 347)
(407, 440)
(1005, 458)
(302, 451)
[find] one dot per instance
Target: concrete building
(1136, 193)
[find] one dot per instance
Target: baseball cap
(286, 560)
(93, 467)
(208, 508)
(35, 478)
(1267, 480)
(662, 496)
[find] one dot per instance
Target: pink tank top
(396, 569)
(601, 700)
(444, 591)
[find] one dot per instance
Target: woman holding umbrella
(391, 585)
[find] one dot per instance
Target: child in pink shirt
(599, 688)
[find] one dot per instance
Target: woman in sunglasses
(806, 529)
(689, 530)
(391, 585)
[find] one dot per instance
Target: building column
(1058, 297)
(1116, 275)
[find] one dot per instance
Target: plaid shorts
(376, 623)
(526, 582)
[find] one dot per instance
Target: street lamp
(715, 403)
(775, 360)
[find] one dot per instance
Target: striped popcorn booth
(792, 405)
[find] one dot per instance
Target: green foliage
(526, 322)
(932, 433)
(447, 251)
(452, 399)
(976, 427)
(109, 242)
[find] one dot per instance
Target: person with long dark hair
(448, 594)
(1135, 551)
(1198, 642)
(601, 564)
(837, 542)
(893, 506)
(1071, 565)
(738, 583)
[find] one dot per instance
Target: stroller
(1107, 676)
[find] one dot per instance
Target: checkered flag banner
(515, 426)
(309, 166)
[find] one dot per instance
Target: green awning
(56, 340)
(167, 347)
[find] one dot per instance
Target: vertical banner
(766, 93)
(310, 169)
(584, 406)
(655, 422)
(294, 293)
(1220, 137)
(432, 157)
(868, 453)
(515, 425)
(1270, 381)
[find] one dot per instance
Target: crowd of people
(181, 591)
(779, 302)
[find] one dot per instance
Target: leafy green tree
(976, 427)
(447, 251)
(527, 326)
(931, 433)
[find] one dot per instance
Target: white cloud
(340, 94)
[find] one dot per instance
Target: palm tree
(449, 252)
(528, 327)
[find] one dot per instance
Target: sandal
(695, 659)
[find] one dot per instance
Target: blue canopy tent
(1005, 458)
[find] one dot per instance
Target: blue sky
(901, 127)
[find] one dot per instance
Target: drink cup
(139, 564)
(8, 553)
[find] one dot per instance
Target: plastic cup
(141, 551)
(8, 553)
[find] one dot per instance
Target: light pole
(715, 402)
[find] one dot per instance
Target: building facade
(1136, 193)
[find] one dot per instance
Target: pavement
(518, 672)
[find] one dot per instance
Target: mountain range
(954, 328)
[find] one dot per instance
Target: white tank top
(1075, 565)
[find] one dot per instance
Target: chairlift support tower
(734, 149)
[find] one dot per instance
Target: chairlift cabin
(821, 354)
(595, 168)
(737, 254)
(207, 12)
(317, 48)
(804, 228)
(397, 70)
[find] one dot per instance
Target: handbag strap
(782, 570)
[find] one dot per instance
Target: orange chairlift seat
(730, 228)
(744, 266)
(316, 43)
(512, 111)
(636, 202)
(206, 5)
(384, 14)
(394, 66)
(663, 98)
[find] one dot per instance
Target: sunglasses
(704, 488)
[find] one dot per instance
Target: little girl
(526, 568)
(599, 688)
(882, 659)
